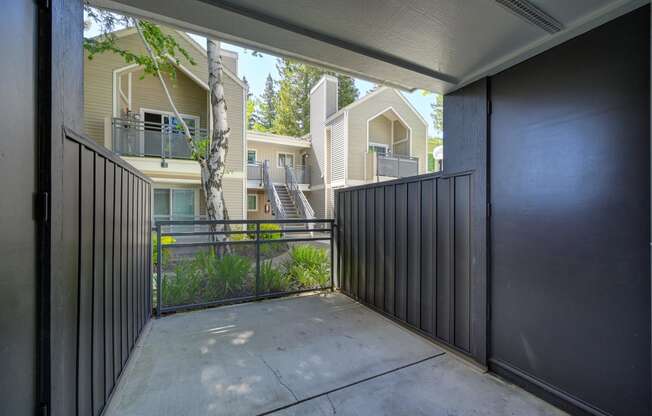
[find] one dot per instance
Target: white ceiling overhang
(438, 45)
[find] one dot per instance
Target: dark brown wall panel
(400, 251)
(444, 251)
(413, 248)
(462, 263)
(413, 261)
(104, 251)
(570, 194)
(108, 219)
(369, 245)
(428, 256)
(379, 247)
(390, 245)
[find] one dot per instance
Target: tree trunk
(214, 168)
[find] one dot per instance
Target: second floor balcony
(255, 173)
(148, 139)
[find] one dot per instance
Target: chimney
(323, 103)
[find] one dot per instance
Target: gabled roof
(372, 94)
(121, 33)
(262, 137)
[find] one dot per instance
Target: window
(285, 159)
(252, 202)
(174, 204)
(251, 156)
(380, 149)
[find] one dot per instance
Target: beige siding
(190, 98)
(317, 200)
(380, 130)
(269, 151)
(260, 213)
(98, 94)
(233, 194)
(338, 149)
(357, 126)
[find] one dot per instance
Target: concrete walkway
(320, 354)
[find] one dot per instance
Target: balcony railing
(277, 175)
(147, 139)
(397, 166)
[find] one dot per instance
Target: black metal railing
(147, 139)
(220, 262)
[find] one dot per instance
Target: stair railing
(299, 198)
(268, 183)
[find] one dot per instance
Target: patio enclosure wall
(106, 264)
(405, 247)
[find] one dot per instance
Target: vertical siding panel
(369, 244)
(124, 259)
(347, 238)
(401, 251)
(354, 243)
(443, 286)
(427, 254)
(85, 285)
(413, 247)
(339, 215)
(462, 265)
(98, 289)
(148, 230)
(130, 263)
(117, 274)
(108, 277)
(390, 245)
(379, 247)
(70, 237)
(362, 238)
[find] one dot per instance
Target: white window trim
(278, 160)
(144, 110)
(256, 199)
(386, 146)
(255, 155)
(170, 188)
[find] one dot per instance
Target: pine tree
(266, 110)
(293, 100)
(347, 91)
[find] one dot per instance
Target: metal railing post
(257, 259)
(159, 270)
(332, 256)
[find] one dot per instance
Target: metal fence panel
(409, 243)
(105, 221)
(213, 263)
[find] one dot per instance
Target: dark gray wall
(18, 274)
(570, 225)
(405, 248)
(106, 259)
(465, 121)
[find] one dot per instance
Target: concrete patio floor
(319, 354)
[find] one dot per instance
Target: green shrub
(268, 231)
(207, 277)
(166, 239)
(309, 266)
(238, 237)
(272, 279)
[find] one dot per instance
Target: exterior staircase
(290, 209)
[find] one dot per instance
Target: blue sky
(256, 68)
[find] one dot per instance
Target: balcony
(147, 139)
(255, 173)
